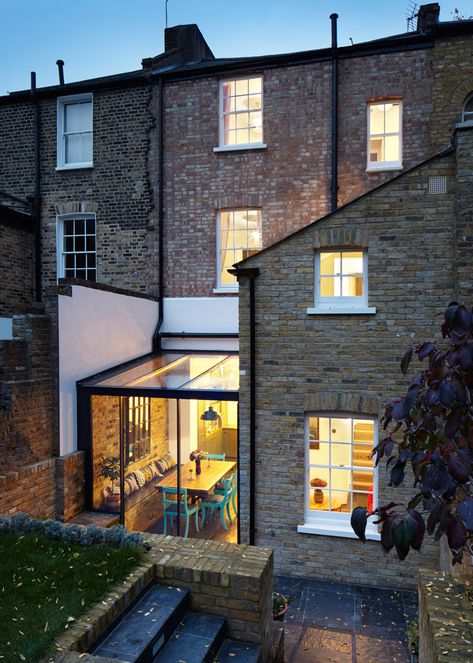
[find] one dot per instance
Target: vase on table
(198, 469)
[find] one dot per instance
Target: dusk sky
(102, 37)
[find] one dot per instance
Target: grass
(45, 585)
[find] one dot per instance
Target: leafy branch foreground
(45, 585)
(435, 422)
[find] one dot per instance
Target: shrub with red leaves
(435, 422)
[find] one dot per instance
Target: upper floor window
(74, 131)
(136, 418)
(241, 113)
(467, 109)
(340, 474)
(76, 247)
(384, 135)
(238, 236)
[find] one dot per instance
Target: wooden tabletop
(202, 483)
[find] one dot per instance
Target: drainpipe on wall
(334, 183)
(36, 203)
(251, 273)
(157, 334)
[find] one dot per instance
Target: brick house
(152, 183)
(326, 357)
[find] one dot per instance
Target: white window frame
(341, 305)
(60, 254)
(62, 102)
(333, 523)
(373, 166)
(221, 140)
(220, 288)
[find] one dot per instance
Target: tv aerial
(412, 12)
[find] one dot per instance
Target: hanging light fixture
(212, 419)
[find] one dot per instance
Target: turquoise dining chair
(220, 490)
(215, 456)
(170, 509)
(213, 502)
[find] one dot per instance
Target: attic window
(74, 132)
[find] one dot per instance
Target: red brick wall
(31, 489)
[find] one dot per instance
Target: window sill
(225, 291)
(384, 167)
(342, 310)
(78, 166)
(341, 531)
(239, 148)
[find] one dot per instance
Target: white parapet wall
(98, 329)
(201, 315)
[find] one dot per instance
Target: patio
(331, 622)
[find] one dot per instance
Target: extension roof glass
(173, 374)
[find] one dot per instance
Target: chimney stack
(428, 18)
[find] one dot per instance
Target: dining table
(198, 485)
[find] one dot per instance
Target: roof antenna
(166, 11)
(412, 12)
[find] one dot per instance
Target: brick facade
(345, 363)
(16, 268)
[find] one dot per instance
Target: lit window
(238, 236)
(136, 418)
(341, 282)
(74, 131)
(241, 112)
(467, 110)
(76, 241)
(340, 473)
(384, 135)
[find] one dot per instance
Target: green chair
(213, 502)
(220, 490)
(170, 509)
(215, 456)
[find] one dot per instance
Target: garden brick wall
(30, 489)
(334, 363)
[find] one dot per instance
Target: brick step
(146, 627)
(235, 651)
(197, 639)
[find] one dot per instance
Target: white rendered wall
(97, 330)
(211, 315)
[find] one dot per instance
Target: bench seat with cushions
(143, 503)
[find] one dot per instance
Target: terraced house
(143, 190)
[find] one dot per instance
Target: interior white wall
(97, 330)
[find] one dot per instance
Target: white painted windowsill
(239, 148)
(384, 167)
(75, 166)
(342, 310)
(345, 532)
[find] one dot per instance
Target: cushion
(158, 471)
(127, 488)
(147, 473)
(151, 467)
(130, 479)
(161, 465)
(169, 459)
(140, 477)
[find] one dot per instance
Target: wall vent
(438, 184)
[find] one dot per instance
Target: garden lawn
(46, 584)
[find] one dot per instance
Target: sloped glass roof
(171, 371)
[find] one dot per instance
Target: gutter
(251, 273)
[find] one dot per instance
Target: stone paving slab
(332, 622)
